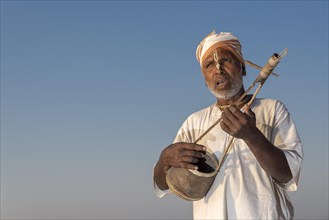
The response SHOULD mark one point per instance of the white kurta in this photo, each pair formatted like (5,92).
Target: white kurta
(242,189)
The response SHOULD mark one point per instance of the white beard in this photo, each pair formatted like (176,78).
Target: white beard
(227,94)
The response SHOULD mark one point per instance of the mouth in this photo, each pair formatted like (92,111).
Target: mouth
(220,82)
(222,78)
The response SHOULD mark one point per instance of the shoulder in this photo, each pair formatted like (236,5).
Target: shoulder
(201,113)
(269,111)
(268,104)
(194,124)
(201,117)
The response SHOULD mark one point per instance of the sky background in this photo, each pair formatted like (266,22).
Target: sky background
(92,91)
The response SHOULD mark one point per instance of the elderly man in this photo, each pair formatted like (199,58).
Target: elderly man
(265,159)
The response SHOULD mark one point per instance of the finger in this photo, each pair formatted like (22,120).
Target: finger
(190,159)
(225,127)
(228,118)
(192,166)
(230,113)
(195,147)
(187,165)
(237,119)
(192,153)
(248,111)
(236,112)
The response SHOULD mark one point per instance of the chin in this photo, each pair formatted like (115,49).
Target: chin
(226,94)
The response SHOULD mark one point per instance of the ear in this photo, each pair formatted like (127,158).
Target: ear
(243,70)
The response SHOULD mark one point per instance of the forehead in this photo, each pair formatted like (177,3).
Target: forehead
(221,52)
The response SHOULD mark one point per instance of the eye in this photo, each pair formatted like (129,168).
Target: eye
(225,60)
(209,64)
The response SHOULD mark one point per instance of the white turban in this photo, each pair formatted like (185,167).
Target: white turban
(225,40)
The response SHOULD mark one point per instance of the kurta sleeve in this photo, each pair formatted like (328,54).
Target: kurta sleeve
(285,136)
(180,137)
(158,192)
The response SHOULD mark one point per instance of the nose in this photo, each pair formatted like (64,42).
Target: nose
(219,69)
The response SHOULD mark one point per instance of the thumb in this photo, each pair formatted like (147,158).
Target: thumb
(248,111)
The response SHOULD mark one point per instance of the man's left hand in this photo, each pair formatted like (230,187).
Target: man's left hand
(239,124)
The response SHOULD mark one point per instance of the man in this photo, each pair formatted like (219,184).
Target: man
(265,158)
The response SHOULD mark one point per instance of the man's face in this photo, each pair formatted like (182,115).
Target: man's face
(226,81)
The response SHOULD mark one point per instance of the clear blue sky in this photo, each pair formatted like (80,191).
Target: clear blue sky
(92,91)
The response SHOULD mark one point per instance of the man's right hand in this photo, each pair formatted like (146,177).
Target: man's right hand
(181,154)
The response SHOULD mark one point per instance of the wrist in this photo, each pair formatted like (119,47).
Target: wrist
(161,165)
(255,136)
